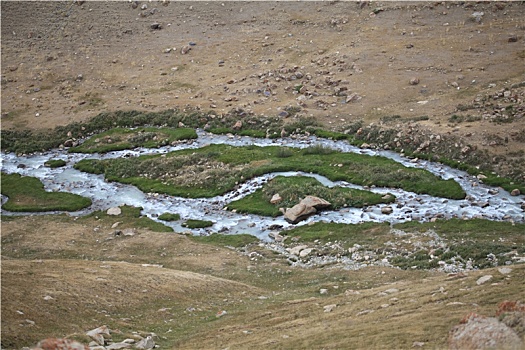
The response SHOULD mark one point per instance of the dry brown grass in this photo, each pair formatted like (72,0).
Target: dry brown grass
(95,278)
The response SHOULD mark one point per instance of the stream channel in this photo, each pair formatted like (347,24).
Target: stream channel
(482,201)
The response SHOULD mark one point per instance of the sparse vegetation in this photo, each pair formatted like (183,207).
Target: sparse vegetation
(122,138)
(236,241)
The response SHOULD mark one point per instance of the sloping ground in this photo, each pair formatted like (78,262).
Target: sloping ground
(63,276)
(41,298)
(397,315)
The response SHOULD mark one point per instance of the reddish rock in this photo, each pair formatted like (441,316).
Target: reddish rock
(60,344)
(479,332)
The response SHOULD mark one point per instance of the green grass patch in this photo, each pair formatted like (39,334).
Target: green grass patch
(55,163)
(216,169)
(27,194)
(293,189)
(122,138)
(236,241)
(369,234)
(131,217)
(169,217)
(192,224)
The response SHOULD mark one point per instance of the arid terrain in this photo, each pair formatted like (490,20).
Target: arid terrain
(439,68)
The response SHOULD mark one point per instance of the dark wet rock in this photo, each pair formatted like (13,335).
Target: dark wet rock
(156,26)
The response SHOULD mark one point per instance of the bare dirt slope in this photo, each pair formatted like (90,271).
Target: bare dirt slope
(68,62)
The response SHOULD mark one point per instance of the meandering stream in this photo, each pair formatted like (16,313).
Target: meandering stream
(481,201)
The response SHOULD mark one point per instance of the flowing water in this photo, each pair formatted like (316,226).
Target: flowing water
(482,201)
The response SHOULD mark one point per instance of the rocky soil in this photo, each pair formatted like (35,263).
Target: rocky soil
(453,68)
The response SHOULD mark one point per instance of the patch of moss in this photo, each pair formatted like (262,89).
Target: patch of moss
(192,224)
(27,194)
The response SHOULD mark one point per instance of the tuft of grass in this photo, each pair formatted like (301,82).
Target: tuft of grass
(169,217)
(236,241)
(55,163)
(192,224)
(27,194)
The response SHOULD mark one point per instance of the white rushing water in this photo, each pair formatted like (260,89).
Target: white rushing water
(481,201)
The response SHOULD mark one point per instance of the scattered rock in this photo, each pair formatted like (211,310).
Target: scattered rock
(414,81)
(515,192)
(329,308)
(504,270)
(61,344)
(276,236)
(483,279)
(185,49)
(114,211)
(148,342)
(118,346)
(297,249)
(156,26)
(305,252)
(276,198)
(387,210)
(513,39)
(477,16)
(238,125)
(100,334)
(221,313)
